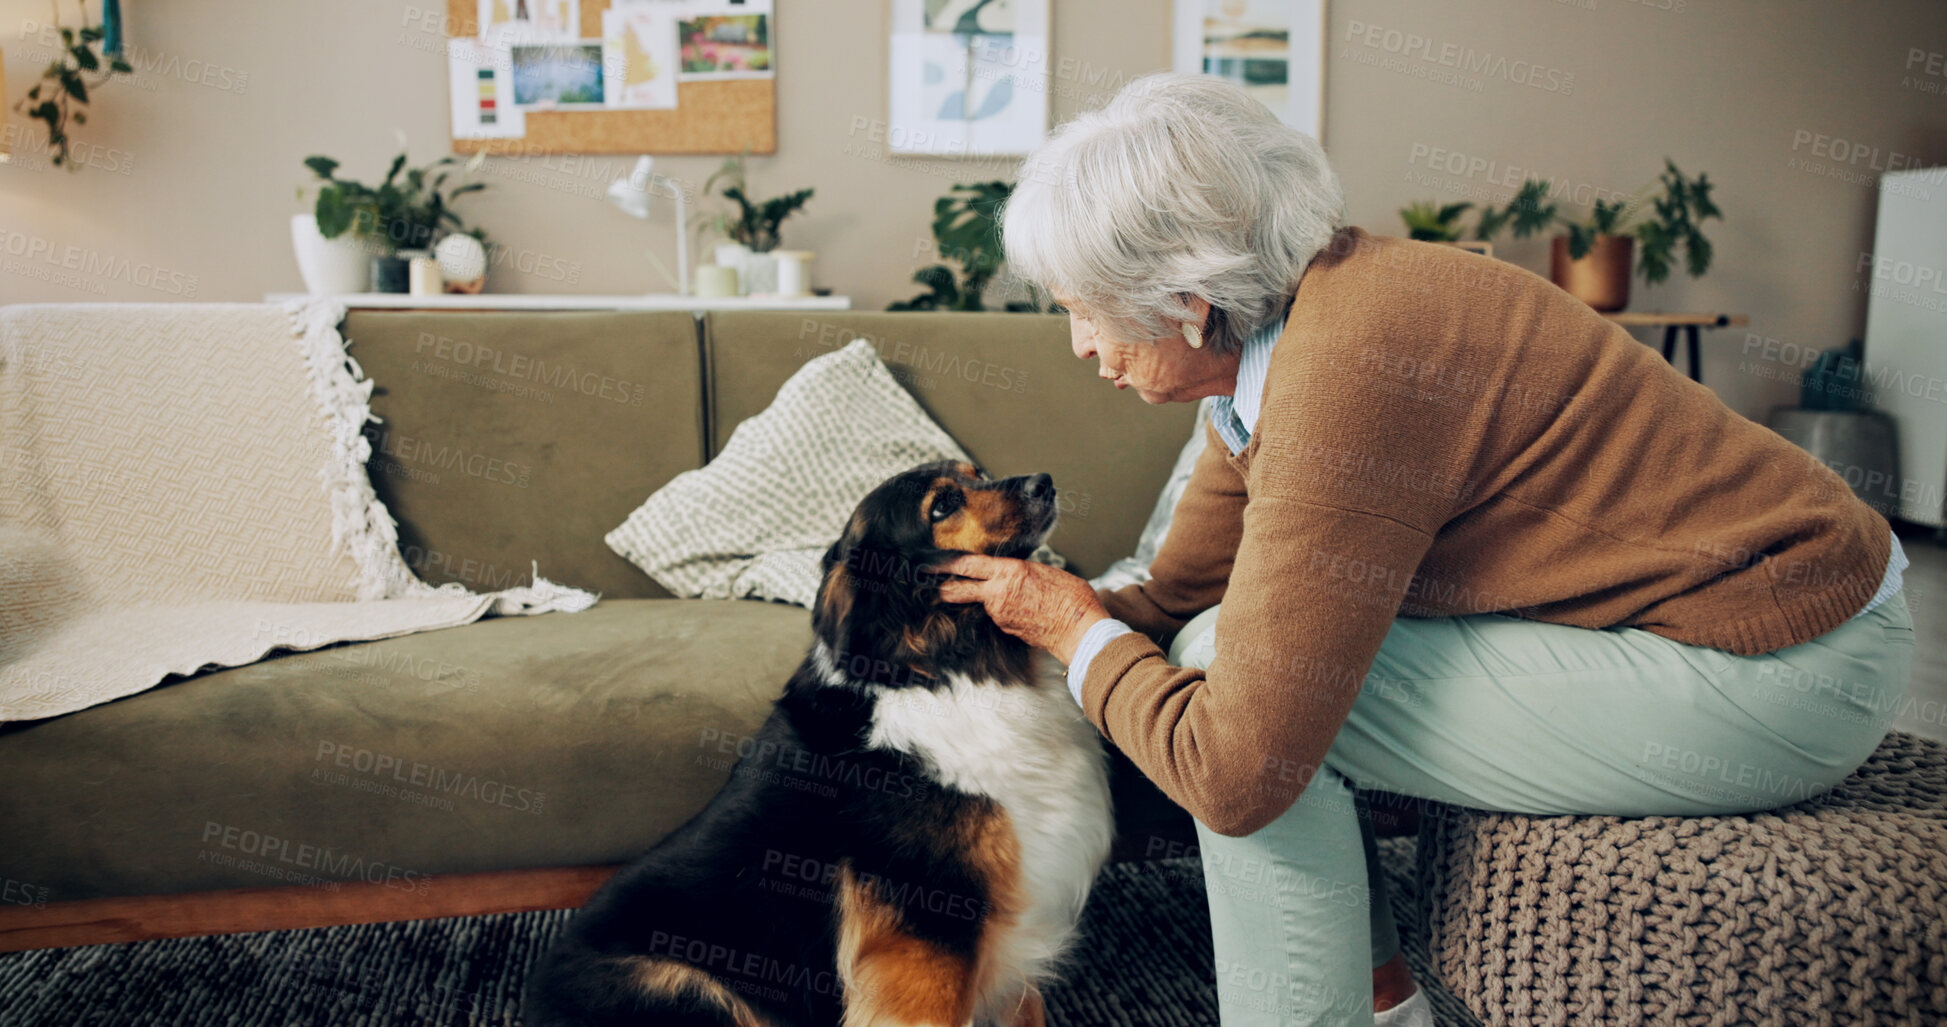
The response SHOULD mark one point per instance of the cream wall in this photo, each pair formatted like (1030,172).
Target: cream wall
(197,160)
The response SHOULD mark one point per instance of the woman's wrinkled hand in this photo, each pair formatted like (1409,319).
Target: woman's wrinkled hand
(1044,606)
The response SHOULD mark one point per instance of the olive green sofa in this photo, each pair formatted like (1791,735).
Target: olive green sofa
(506,764)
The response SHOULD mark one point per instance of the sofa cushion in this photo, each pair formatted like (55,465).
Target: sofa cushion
(522,742)
(758,519)
(510,438)
(1005,386)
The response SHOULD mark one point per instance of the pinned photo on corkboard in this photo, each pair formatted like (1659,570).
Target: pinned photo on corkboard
(553,75)
(530,21)
(719,46)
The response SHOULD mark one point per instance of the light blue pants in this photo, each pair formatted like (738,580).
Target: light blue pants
(1499,713)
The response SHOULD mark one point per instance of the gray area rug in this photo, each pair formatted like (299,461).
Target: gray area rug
(1143,961)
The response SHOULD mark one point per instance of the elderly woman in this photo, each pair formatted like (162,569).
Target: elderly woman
(1454,536)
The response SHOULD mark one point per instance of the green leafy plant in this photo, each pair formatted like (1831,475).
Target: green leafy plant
(409,212)
(1527,212)
(753,223)
(1678,210)
(1606,218)
(967,231)
(1684,205)
(1431,222)
(64,87)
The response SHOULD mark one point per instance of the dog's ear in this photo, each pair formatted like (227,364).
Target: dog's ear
(831,612)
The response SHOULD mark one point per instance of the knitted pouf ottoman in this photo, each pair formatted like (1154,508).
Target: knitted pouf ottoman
(1832,911)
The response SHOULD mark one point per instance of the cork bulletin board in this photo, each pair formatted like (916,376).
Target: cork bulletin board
(719,116)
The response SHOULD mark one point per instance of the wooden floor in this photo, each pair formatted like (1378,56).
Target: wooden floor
(1926,596)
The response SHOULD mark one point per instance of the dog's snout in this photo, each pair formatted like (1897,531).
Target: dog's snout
(1040,486)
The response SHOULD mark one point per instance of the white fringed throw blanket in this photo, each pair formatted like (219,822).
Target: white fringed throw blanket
(183,486)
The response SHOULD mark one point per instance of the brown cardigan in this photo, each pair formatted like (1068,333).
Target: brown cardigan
(1443,434)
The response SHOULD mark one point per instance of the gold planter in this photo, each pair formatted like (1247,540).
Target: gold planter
(1601,278)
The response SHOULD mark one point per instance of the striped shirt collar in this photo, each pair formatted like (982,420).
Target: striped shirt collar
(1235,416)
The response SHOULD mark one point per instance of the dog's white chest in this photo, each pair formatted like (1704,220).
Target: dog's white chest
(1031,751)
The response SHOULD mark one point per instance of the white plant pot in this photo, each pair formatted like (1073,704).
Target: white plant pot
(329,266)
(760,274)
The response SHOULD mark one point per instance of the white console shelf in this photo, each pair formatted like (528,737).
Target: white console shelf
(539,301)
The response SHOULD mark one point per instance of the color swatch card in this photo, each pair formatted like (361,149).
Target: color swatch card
(480,84)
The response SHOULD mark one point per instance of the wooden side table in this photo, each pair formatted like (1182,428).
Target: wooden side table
(1688,324)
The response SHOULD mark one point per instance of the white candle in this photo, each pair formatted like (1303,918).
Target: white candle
(423,277)
(714,281)
(794,272)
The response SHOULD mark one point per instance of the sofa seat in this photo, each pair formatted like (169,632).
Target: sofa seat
(558,740)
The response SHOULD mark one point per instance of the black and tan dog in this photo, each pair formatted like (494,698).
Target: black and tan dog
(913,832)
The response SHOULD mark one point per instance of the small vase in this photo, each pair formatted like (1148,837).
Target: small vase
(759,277)
(391,274)
(329,266)
(1601,277)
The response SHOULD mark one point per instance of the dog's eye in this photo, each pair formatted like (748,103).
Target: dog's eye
(944,505)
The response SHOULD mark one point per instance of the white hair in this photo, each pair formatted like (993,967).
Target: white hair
(1183,185)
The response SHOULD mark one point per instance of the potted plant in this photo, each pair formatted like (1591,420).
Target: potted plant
(1433,222)
(62,93)
(967,231)
(1592,260)
(752,226)
(353,226)
(1526,213)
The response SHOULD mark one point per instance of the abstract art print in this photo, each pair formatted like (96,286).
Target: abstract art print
(1275,49)
(969,77)
(639,52)
(970,17)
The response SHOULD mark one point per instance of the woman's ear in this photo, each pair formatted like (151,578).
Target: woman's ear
(1199,310)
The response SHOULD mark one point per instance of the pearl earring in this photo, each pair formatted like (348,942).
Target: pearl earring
(1193,335)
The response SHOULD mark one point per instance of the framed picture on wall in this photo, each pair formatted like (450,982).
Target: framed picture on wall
(969,77)
(1273,48)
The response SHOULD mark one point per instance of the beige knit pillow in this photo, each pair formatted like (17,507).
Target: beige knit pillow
(755,522)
